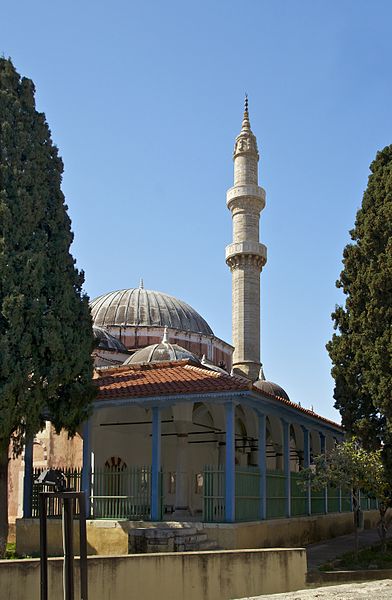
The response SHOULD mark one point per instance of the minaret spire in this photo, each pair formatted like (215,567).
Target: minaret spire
(246,256)
(245,120)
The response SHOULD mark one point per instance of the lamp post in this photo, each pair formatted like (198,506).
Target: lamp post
(56,480)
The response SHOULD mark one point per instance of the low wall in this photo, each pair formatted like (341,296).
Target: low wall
(111,537)
(215,575)
(296,531)
(103,537)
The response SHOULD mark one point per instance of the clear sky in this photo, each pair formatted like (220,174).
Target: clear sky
(144,100)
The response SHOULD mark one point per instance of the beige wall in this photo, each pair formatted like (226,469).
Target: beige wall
(111,537)
(298,531)
(103,537)
(219,575)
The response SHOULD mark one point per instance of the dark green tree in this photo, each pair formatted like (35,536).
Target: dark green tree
(45,324)
(361,353)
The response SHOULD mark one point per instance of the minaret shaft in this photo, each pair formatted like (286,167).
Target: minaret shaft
(246,256)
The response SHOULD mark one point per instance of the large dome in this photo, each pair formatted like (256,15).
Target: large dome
(140,307)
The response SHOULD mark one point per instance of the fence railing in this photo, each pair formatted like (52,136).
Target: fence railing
(247,493)
(122,493)
(298,496)
(214,494)
(125,493)
(276,495)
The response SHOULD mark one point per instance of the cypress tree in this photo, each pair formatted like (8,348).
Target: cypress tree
(45,324)
(362,351)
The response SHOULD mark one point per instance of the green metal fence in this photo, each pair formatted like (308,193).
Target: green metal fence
(346,500)
(122,493)
(298,495)
(318,502)
(125,493)
(333,494)
(247,493)
(276,496)
(214,493)
(73,477)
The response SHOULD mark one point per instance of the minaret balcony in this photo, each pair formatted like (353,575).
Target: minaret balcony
(255,193)
(246,249)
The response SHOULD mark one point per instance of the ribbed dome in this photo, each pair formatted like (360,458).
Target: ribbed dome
(270,387)
(140,307)
(160,352)
(108,341)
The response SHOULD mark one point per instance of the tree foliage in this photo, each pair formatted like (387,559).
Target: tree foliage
(361,352)
(45,323)
(349,465)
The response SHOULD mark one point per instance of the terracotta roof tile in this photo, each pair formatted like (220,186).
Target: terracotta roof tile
(177,377)
(298,407)
(167,378)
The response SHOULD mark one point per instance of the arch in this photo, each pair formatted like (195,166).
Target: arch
(297,450)
(115,463)
(315,444)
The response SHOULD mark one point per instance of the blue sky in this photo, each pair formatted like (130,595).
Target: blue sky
(144,100)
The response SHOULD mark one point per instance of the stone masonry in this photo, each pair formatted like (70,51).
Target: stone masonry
(246,256)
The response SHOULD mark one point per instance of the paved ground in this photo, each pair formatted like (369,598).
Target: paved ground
(322,552)
(375,590)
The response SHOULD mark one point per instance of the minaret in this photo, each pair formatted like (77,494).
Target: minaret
(246,256)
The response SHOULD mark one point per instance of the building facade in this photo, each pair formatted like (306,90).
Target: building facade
(185,426)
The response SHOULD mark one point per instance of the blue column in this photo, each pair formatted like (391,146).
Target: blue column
(87,465)
(308,500)
(28,479)
(262,466)
(286,463)
(325,491)
(230,463)
(156,464)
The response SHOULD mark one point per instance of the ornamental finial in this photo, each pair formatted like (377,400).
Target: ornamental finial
(261,374)
(165,339)
(141,284)
(245,121)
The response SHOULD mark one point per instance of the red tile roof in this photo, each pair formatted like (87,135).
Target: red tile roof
(177,377)
(165,379)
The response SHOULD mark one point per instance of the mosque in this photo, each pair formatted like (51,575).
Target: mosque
(185,425)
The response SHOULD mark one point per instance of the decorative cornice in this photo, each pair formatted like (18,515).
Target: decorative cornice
(238,261)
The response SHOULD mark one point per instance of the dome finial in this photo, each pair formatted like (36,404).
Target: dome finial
(165,339)
(261,374)
(141,284)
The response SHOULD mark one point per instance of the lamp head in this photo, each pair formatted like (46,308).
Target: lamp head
(53,478)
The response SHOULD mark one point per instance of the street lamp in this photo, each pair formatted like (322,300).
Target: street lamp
(56,480)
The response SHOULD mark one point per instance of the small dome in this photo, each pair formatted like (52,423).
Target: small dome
(108,341)
(139,307)
(270,387)
(160,352)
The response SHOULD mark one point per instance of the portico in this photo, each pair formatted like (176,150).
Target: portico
(221,451)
